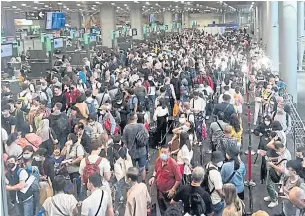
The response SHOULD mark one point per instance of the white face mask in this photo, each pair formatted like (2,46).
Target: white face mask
(267,123)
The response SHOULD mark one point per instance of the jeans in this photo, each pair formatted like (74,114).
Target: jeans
(218,208)
(118,189)
(79,188)
(62,140)
(26,207)
(36,202)
(151,102)
(271,188)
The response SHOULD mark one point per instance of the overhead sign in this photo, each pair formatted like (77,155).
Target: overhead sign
(31,15)
(38,15)
(23,22)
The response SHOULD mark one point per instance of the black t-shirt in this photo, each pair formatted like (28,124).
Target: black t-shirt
(8,122)
(184,194)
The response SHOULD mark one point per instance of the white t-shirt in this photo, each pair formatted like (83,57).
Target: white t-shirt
(65,202)
(91,204)
(4,135)
(214,181)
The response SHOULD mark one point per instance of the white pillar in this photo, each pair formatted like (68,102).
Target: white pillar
(256,21)
(76,20)
(260,15)
(288,45)
(168,19)
(185,20)
(108,23)
(265,24)
(301,35)
(136,20)
(273,36)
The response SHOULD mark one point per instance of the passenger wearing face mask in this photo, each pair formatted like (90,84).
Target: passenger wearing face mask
(17,178)
(122,107)
(283,117)
(167,177)
(291,179)
(234,170)
(268,100)
(138,197)
(8,121)
(161,118)
(94,126)
(32,169)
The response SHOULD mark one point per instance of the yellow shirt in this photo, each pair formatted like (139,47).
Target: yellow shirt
(237,135)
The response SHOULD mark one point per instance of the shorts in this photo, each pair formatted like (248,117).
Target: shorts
(141,161)
(239,109)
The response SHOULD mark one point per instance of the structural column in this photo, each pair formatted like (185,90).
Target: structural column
(136,20)
(301,36)
(273,33)
(76,20)
(168,19)
(7,22)
(108,23)
(260,22)
(265,24)
(256,21)
(185,20)
(288,45)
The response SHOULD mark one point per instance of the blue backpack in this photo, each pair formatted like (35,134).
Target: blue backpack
(91,108)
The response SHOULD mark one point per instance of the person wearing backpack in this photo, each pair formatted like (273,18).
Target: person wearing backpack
(17,178)
(60,124)
(91,103)
(234,205)
(212,182)
(135,137)
(196,200)
(93,163)
(233,170)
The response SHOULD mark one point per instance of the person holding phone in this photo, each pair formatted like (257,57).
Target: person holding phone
(291,179)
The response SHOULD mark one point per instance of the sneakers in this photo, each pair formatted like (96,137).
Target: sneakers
(273,204)
(267,198)
(121,200)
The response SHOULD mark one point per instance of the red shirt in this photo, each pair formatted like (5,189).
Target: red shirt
(167,175)
(71,96)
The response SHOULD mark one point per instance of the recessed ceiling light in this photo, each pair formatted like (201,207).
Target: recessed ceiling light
(67,9)
(36,2)
(78,5)
(14,7)
(23,5)
(80,9)
(93,5)
(147,3)
(46,5)
(64,6)
(59,3)
(112,3)
(35,8)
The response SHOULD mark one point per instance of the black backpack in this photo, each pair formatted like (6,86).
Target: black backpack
(197,205)
(205,182)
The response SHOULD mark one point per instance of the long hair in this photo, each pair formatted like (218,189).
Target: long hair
(235,123)
(231,196)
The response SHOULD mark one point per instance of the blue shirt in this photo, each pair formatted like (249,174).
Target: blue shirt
(238,179)
(132,102)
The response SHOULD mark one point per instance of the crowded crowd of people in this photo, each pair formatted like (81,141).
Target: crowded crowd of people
(81,142)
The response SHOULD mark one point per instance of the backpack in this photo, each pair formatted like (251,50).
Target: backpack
(141,138)
(205,182)
(45,91)
(63,123)
(25,101)
(91,168)
(91,107)
(168,91)
(197,205)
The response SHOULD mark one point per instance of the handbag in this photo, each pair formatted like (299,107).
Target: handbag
(274,176)
(176,109)
(107,124)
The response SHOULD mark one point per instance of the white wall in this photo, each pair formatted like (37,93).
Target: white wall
(204,19)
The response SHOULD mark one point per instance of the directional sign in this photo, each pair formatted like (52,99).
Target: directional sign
(41,15)
(31,15)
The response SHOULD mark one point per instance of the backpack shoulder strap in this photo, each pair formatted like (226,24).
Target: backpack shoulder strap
(98,161)
(87,161)
(100,204)
(280,161)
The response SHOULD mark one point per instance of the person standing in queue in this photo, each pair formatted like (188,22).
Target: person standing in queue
(167,177)
(138,197)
